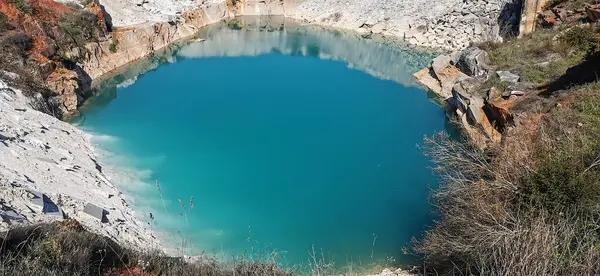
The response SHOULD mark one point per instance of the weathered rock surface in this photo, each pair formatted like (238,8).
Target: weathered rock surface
(506,76)
(65,84)
(529,14)
(41,153)
(441,76)
(451,24)
(474,62)
(457,79)
(135,42)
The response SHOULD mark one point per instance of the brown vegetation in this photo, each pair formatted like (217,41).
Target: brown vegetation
(39,37)
(65,248)
(528,206)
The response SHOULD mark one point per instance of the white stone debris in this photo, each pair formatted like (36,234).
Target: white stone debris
(448,24)
(41,153)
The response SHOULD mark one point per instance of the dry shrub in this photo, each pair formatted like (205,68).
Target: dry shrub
(472,205)
(529,207)
(65,248)
(542,244)
(53,249)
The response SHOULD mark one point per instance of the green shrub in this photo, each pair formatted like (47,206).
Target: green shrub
(4,25)
(113,46)
(567,168)
(22,5)
(581,39)
(79,27)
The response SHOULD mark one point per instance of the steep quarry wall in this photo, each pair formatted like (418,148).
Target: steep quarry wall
(39,153)
(450,24)
(127,44)
(142,28)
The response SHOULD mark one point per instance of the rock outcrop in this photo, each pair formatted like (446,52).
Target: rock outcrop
(457,79)
(65,84)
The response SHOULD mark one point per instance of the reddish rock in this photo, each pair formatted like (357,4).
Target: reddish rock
(427,78)
(548,18)
(65,84)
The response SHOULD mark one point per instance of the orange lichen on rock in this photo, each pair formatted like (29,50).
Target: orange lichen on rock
(11,12)
(39,45)
(49,10)
(505,104)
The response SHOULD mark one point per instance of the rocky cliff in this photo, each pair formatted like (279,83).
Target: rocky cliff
(451,24)
(131,43)
(127,31)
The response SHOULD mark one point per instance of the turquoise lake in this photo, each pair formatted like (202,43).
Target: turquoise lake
(287,137)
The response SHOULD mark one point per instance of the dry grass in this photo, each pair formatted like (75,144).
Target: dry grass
(65,248)
(527,207)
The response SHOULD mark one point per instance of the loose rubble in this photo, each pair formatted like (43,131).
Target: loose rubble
(49,171)
(452,24)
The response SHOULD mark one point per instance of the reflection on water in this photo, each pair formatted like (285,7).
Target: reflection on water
(251,36)
(248,36)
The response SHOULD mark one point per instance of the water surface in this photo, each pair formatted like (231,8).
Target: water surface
(287,137)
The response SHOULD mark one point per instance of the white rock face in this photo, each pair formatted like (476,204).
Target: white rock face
(39,152)
(448,24)
(133,12)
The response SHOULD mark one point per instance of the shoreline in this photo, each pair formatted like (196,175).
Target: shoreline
(131,71)
(135,44)
(41,154)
